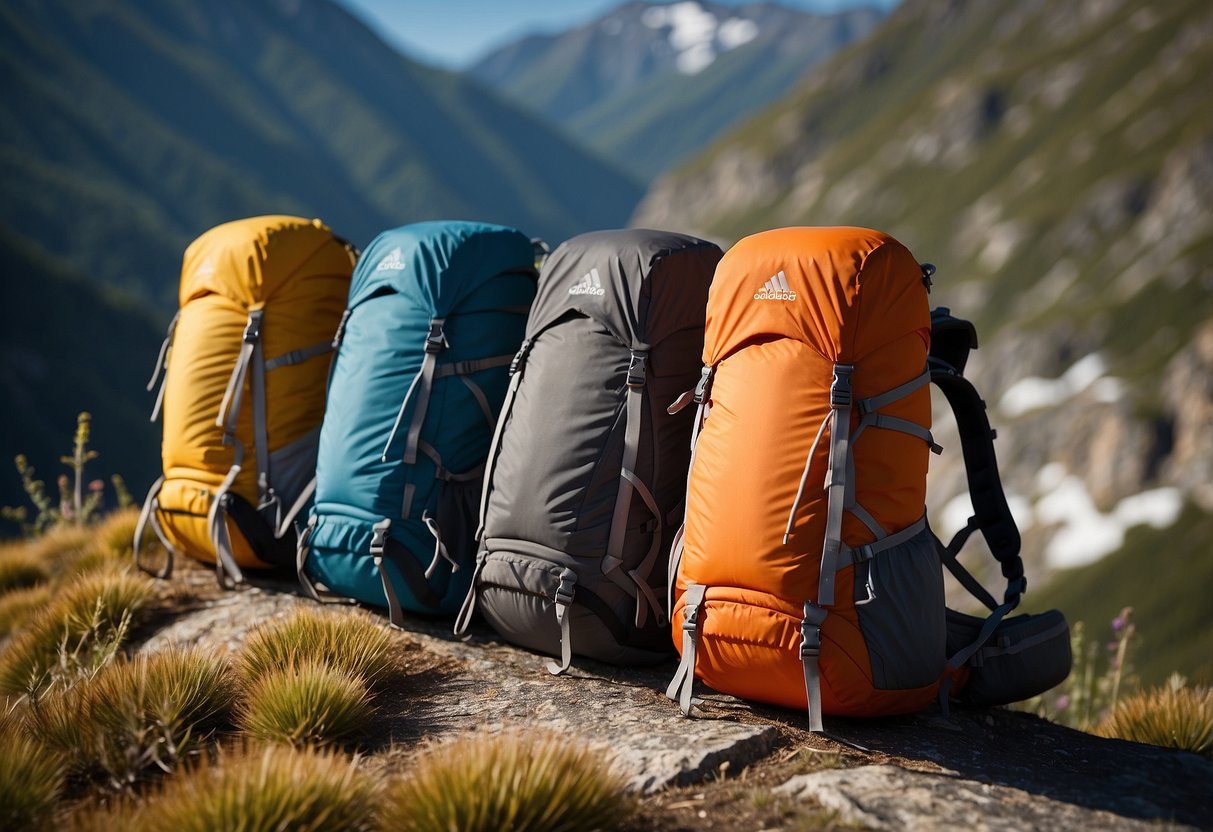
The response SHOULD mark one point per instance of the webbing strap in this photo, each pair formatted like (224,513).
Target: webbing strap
(867,551)
(162,367)
(810,654)
(302,550)
(947,555)
(680,536)
(481,399)
(296,507)
(865,517)
(804,477)
(562,599)
(440,551)
(229,408)
(226,570)
(637,370)
(640,575)
(148,514)
(464,619)
(298,356)
(261,440)
(889,396)
(475,365)
(683,683)
(434,343)
(441,472)
(379,533)
(879,420)
(836,479)
(517,367)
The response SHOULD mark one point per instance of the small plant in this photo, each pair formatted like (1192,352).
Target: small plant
(1174,716)
(20,605)
(354,645)
(307,704)
(277,788)
(510,780)
(76,635)
(31,780)
(19,568)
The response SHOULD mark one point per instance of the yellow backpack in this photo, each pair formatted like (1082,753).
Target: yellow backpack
(242,374)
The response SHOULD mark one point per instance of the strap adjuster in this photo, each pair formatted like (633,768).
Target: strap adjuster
(520,357)
(252,329)
(638,368)
(690,617)
(840,389)
(379,537)
(705,381)
(436,340)
(564,591)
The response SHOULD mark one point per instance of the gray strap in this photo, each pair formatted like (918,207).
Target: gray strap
(378,541)
(804,477)
(948,556)
(873,403)
(441,472)
(868,551)
(866,518)
(419,380)
(146,514)
(162,366)
(836,479)
(481,400)
(1006,648)
(475,365)
(298,356)
(683,683)
(562,600)
(261,439)
(226,569)
(987,630)
(879,420)
(229,408)
(434,343)
(631,446)
(440,551)
(464,619)
(296,507)
(301,553)
(491,460)
(671,575)
(810,654)
(640,575)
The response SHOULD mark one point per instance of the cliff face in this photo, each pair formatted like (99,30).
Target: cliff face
(1055,160)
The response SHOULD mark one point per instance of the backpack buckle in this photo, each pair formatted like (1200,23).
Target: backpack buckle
(436,340)
(840,389)
(339,335)
(690,617)
(564,591)
(379,537)
(252,329)
(638,369)
(520,357)
(705,381)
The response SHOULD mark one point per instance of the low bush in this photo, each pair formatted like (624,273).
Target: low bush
(31,780)
(273,789)
(353,644)
(1174,716)
(307,704)
(510,780)
(79,632)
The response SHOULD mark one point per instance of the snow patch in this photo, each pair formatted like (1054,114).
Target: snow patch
(696,35)
(1086,534)
(957,511)
(1035,393)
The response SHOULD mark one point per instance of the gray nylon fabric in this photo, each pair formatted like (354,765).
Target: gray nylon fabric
(556,476)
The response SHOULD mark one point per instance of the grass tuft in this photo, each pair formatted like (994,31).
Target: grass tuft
(31,780)
(20,605)
(20,568)
(1173,716)
(352,644)
(510,780)
(307,704)
(263,791)
(78,633)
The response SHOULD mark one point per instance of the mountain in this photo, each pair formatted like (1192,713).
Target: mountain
(128,128)
(1055,160)
(68,344)
(648,84)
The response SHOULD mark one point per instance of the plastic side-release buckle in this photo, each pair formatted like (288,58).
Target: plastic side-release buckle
(705,381)
(379,537)
(690,617)
(810,631)
(252,329)
(638,368)
(840,389)
(520,357)
(565,590)
(436,340)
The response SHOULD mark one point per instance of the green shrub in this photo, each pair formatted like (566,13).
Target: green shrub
(273,789)
(1174,716)
(31,780)
(79,632)
(20,605)
(510,780)
(353,644)
(307,704)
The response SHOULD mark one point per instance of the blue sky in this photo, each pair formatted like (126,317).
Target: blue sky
(452,33)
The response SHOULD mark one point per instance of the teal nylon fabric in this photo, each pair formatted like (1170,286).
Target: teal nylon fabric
(469,274)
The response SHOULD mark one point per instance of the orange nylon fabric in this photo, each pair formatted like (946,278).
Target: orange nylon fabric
(854,296)
(299,274)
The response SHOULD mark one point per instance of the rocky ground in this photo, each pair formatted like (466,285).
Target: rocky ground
(737,765)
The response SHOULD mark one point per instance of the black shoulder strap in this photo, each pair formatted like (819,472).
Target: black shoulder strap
(951,341)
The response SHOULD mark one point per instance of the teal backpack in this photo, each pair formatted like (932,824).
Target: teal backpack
(436,313)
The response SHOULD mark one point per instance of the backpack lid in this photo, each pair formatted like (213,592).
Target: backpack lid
(640,284)
(807,283)
(248,260)
(438,264)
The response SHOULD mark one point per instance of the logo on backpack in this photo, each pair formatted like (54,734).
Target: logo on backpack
(207,268)
(590,284)
(394,262)
(776,288)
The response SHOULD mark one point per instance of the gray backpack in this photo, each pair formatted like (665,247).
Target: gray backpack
(587,471)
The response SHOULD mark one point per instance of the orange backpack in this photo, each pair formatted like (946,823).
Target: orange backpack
(806,573)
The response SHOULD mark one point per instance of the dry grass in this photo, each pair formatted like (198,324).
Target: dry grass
(31,780)
(353,644)
(19,568)
(19,606)
(80,631)
(307,704)
(1173,716)
(511,780)
(266,790)
(61,545)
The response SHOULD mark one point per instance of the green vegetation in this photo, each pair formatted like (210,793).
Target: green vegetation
(509,780)
(307,704)
(352,643)
(1174,716)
